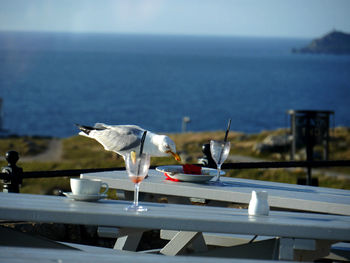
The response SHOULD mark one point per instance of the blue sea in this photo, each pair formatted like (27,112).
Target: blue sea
(50,81)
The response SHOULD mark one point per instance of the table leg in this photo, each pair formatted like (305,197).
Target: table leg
(303,249)
(286,250)
(322,248)
(128,239)
(180,241)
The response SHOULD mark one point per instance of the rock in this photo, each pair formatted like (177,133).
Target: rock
(261,148)
(300,156)
(278,140)
(277,156)
(335,42)
(273,143)
(342,145)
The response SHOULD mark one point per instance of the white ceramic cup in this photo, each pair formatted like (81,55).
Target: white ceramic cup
(258,204)
(82,186)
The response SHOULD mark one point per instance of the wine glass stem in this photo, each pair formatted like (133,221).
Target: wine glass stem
(136,194)
(218,176)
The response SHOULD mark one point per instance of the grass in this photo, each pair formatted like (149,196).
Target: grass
(25,146)
(83,153)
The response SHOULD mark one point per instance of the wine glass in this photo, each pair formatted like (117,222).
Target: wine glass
(219,152)
(137,168)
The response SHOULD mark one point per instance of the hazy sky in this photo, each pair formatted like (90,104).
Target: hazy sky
(284,18)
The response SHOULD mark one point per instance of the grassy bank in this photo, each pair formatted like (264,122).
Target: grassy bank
(83,153)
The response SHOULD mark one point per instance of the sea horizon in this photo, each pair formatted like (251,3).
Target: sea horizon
(158,34)
(50,81)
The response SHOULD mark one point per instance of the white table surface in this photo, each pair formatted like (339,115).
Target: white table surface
(42,208)
(280,195)
(39,255)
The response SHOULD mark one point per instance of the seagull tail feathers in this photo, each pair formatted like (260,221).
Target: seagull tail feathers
(85,129)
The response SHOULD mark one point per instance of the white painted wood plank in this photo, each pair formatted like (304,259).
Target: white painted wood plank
(298,197)
(37,255)
(40,208)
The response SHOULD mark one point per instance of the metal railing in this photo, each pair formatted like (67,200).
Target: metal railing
(12,175)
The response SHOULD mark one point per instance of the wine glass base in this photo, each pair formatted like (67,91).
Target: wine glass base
(135,208)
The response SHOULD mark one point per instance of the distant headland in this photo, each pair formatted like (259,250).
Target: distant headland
(335,42)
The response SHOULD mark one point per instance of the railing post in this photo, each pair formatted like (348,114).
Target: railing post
(13,182)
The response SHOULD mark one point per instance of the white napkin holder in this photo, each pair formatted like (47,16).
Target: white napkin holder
(258,204)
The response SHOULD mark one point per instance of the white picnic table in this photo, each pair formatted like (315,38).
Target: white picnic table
(40,255)
(296,231)
(236,190)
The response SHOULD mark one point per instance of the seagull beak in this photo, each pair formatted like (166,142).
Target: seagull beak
(175,155)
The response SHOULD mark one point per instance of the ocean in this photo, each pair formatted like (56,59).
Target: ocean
(50,81)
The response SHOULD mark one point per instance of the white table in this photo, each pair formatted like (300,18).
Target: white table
(280,195)
(38,255)
(296,230)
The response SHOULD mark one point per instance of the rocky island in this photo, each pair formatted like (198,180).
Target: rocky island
(335,42)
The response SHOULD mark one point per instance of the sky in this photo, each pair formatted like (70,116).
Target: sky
(261,18)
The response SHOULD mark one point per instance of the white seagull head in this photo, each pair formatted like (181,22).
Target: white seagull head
(167,146)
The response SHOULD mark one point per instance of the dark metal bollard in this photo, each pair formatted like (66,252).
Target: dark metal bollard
(14,180)
(207,160)
(310,128)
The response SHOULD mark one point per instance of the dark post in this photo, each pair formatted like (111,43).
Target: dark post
(308,133)
(12,183)
(310,128)
(326,142)
(293,129)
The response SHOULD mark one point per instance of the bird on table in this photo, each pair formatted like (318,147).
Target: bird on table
(124,139)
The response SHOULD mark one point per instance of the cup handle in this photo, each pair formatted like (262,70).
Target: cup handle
(106,186)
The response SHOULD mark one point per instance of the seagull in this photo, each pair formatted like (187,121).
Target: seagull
(123,139)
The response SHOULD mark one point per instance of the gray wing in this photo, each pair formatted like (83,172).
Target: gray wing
(120,128)
(119,138)
(130,137)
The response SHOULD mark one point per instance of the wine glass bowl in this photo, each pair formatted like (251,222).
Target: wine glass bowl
(137,168)
(219,151)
